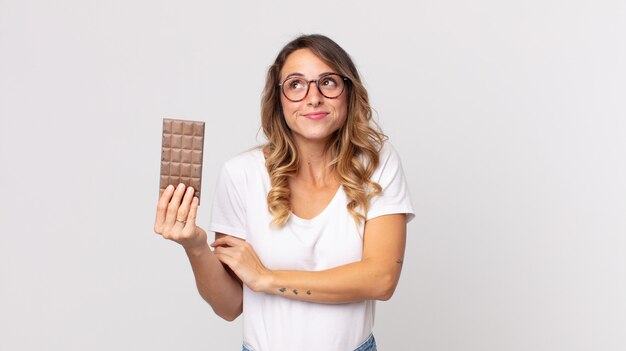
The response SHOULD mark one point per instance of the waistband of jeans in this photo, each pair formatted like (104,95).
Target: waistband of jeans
(368,342)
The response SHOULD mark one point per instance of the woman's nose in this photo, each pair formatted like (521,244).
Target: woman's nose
(314,97)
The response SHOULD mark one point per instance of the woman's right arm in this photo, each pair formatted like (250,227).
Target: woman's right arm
(217,286)
(176,220)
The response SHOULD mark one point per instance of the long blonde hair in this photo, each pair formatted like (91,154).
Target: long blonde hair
(354,147)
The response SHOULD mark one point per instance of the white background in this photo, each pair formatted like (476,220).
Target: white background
(510,117)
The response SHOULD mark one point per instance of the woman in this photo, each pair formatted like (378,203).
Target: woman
(310,228)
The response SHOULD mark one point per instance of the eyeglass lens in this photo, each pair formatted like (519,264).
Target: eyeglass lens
(296,88)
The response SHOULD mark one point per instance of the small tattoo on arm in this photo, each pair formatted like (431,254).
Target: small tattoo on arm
(295,291)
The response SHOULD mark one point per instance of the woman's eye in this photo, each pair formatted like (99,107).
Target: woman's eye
(329,82)
(296,84)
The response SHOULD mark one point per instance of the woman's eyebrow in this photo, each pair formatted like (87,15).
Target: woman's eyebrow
(298,74)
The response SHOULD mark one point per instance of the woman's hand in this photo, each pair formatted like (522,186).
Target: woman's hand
(176,217)
(243,261)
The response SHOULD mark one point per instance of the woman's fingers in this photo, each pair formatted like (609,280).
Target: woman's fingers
(228,260)
(243,261)
(229,251)
(173,211)
(228,241)
(183,210)
(220,251)
(176,217)
(231,256)
(161,211)
(174,205)
(193,212)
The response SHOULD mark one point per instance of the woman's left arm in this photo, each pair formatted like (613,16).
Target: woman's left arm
(375,277)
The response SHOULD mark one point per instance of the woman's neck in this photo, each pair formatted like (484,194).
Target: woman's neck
(314,167)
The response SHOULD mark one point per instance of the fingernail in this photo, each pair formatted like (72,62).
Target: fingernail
(170,187)
(180,186)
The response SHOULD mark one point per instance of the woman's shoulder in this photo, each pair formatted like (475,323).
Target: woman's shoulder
(388,161)
(242,168)
(387,149)
(388,153)
(248,159)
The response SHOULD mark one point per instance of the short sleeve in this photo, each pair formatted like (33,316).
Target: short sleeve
(395,196)
(228,213)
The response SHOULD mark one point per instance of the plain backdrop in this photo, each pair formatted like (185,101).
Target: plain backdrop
(510,118)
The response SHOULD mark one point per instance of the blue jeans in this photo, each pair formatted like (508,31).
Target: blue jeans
(368,345)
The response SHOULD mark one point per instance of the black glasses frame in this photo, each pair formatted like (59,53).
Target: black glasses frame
(308,86)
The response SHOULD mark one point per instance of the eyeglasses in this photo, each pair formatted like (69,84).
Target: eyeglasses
(330,85)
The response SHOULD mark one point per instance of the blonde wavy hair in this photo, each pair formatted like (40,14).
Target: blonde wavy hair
(354,147)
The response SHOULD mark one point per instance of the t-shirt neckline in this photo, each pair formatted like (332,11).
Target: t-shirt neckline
(293,216)
(321,215)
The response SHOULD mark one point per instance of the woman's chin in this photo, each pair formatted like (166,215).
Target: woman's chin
(313,137)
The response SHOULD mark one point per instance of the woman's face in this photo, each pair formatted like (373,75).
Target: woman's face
(316,117)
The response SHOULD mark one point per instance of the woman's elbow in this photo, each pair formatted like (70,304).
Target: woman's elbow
(229,316)
(387,286)
(386,294)
(227,310)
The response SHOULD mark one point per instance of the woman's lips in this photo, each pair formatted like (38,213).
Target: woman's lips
(316,115)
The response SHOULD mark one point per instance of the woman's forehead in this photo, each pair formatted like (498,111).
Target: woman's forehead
(305,62)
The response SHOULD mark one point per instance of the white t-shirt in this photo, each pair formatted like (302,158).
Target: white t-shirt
(331,239)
